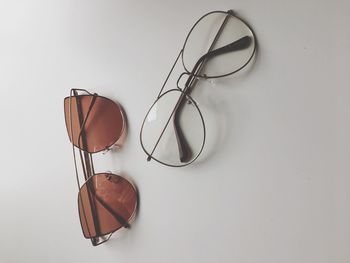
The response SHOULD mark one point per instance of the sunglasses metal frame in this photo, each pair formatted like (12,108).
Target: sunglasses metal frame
(88,166)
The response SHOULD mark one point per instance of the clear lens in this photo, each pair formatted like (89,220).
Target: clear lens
(173,131)
(202,36)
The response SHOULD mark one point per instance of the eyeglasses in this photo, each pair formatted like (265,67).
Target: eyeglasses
(219,44)
(106,201)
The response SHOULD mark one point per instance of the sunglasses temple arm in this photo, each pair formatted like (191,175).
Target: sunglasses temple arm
(87,159)
(118,217)
(96,240)
(75,90)
(82,124)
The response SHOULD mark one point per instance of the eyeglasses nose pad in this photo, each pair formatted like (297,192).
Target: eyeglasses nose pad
(191,102)
(212,82)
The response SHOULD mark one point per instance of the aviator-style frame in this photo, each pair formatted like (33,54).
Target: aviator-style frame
(193,76)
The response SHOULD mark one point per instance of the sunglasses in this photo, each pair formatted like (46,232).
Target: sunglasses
(219,44)
(106,201)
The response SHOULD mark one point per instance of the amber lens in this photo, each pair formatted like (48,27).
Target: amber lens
(106,202)
(102,121)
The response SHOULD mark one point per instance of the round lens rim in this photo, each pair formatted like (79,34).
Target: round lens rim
(227,74)
(124,122)
(202,119)
(132,216)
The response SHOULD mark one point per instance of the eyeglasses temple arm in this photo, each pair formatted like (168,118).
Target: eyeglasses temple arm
(184,149)
(237,45)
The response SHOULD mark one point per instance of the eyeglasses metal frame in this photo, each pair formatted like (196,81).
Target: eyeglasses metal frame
(193,76)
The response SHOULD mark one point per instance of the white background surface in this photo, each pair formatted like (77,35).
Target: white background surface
(276,189)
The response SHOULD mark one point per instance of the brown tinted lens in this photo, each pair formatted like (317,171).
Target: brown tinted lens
(106,202)
(104,124)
